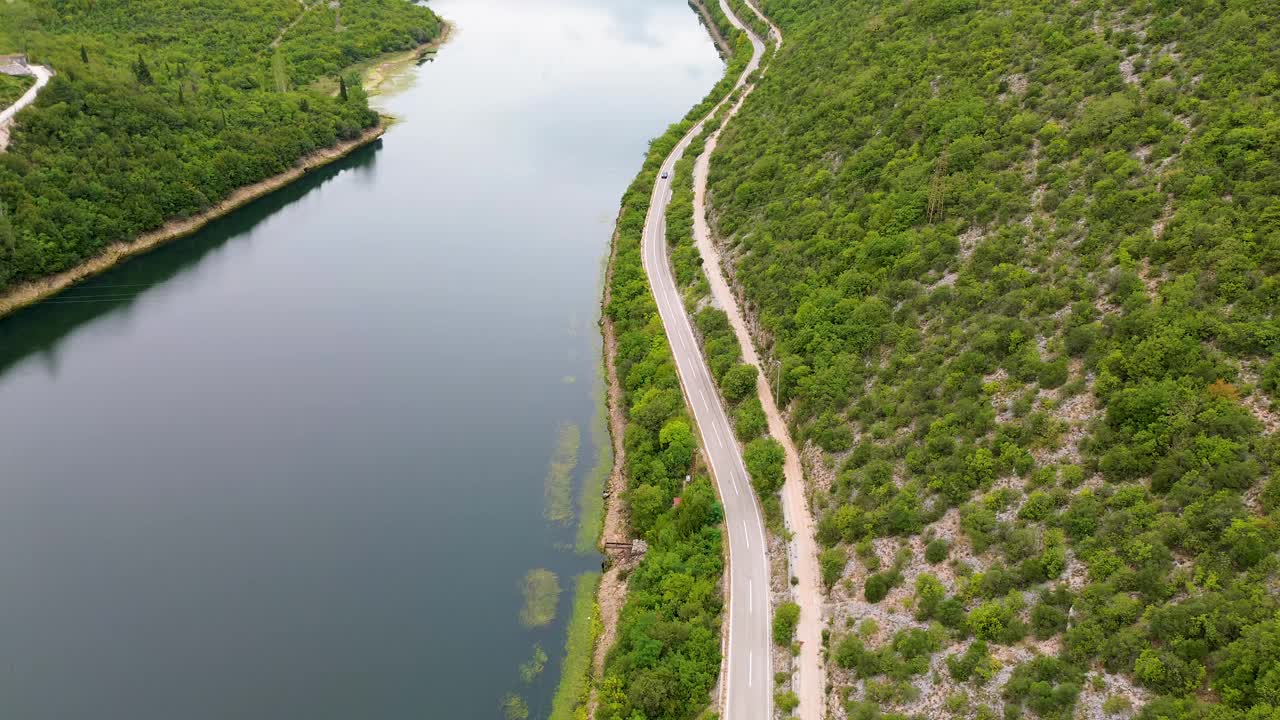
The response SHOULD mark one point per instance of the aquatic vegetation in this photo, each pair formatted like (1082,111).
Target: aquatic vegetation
(559,483)
(534,666)
(584,627)
(590,497)
(541,590)
(514,707)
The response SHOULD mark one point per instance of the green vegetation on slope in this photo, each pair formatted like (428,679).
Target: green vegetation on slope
(160,109)
(12,87)
(1019,259)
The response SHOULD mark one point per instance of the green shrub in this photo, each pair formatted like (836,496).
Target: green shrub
(785,617)
(877,586)
(936,551)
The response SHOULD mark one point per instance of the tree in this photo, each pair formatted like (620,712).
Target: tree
(646,502)
(764,458)
(739,382)
(84,55)
(342,88)
(6,229)
(749,420)
(988,620)
(831,562)
(678,445)
(1248,670)
(142,73)
(929,595)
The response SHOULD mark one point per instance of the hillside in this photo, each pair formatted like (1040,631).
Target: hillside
(160,109)
(1019,260)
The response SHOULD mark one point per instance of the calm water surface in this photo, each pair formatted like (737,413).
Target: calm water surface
(292,467)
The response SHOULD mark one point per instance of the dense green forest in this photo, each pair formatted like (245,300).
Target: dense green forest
(1019,259)
(161,108)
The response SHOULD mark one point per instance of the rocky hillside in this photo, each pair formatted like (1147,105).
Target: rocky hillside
(1019,261)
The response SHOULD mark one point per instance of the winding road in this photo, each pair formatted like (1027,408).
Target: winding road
(42,75)
(748,676)
(806,590)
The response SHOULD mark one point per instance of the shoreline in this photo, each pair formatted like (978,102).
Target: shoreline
(384,67)
(722,45)
(611,592)
(33,291)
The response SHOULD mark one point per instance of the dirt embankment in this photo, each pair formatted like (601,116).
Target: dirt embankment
(613,585)
(36,290)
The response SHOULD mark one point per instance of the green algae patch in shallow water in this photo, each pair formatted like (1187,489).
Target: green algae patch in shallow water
(541,595)
(580,640)
(559,485)
(535,665)
(591,497)
(514,707)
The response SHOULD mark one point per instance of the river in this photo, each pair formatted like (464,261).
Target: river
(293,466)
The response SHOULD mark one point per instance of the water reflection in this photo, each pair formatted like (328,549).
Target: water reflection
(38,329)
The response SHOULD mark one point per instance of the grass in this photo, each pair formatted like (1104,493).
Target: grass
(559,485)
(12,87)
(580,640)
(591,499)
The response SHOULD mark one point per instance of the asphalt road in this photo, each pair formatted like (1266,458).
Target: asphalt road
(748,676)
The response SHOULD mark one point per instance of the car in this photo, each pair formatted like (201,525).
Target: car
(664,174)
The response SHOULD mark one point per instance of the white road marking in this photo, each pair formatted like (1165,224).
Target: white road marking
(693,371)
